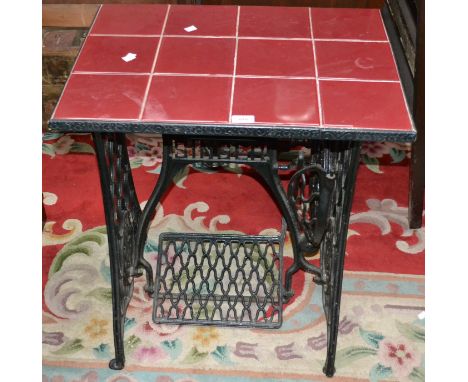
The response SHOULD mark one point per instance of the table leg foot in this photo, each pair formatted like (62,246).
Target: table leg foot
(329,371)
(116,364)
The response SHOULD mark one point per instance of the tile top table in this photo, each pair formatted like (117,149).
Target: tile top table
(230,85)
(296,72)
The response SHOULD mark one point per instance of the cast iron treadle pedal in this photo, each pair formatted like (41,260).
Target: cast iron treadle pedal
(219,279)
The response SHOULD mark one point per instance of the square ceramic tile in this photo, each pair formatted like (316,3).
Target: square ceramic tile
(102,96)
(377,105)
(275,58)
(288,22)
(196,55)
(188,98)
(130,19)
(348,23)
(275,100)
(105,54)
(363,60)
(209,20)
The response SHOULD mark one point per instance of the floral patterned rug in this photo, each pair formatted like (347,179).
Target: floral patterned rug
(381,329)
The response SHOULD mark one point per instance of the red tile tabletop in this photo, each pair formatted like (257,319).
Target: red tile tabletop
(233,65)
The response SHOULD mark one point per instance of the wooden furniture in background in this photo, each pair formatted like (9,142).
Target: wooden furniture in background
(405,24)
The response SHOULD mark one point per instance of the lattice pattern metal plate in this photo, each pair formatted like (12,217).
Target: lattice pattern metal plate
(217,279)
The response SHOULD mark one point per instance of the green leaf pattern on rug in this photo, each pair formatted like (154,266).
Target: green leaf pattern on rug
(136,162)
(221,354)
(418,375)
(411,331)
(379,372)
(49,136)
(372,338)
(80,147)
(101,294)
(48,149)
(372,164)
(397,155)
(194,356)
(173,348)
(76,246)
(69,347)
(156,170)
(353,353)
(131,343)
(102,351)
(180,177)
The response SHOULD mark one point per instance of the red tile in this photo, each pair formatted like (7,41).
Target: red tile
(275,58)
(186,98)
(130,19)
(196,55)
(363,60)
(104,54)
(274,100)
(376,105)
(274,22)
(102,96)
(210,20)
(348,23)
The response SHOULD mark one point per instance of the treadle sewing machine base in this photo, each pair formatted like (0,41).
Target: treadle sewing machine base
(230,280)
(223,87)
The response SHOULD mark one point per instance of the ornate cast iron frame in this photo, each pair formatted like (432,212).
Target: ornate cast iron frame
(316,210)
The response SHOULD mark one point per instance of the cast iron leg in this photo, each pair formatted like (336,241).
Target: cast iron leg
(269,173)
(332,251)
(122,213)
(168,169)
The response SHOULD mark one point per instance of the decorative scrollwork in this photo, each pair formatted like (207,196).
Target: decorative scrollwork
(309,193)
(125,212)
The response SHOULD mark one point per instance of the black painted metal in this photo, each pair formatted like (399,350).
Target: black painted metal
(219,279)
(343,163)
(240,131)
(122,213)
(315,211)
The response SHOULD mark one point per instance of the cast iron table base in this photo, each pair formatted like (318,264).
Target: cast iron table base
(316,209)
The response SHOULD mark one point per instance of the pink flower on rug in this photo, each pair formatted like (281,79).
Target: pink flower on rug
(150,354)
(398,355)
(375,149)
(157,332)
(63,145)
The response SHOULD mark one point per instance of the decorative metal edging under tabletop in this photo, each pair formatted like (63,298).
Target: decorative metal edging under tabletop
(224,130)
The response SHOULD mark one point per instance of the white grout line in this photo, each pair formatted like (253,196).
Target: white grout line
(82,72)
(195,36)
(354,79)
(76,60)
(340,79)
(190,74)
(123,35)
(276,77)
(317,83)
(145,97)
(349,40)
(413,127)
(239,37)
(235,65)
(275,38)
